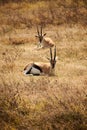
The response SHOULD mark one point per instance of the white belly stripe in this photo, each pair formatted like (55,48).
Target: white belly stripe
(35,71)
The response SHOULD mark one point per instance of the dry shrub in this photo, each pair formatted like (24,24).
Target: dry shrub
(16,41)
(25,15)
(9,58)
(43,106)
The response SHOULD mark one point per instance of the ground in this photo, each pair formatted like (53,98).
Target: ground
(44,102)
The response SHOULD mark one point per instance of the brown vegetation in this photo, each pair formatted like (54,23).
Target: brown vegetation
(25,15)
(43,102)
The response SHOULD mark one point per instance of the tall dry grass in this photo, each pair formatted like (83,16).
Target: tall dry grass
(28,14)
(43,103)
(38,103)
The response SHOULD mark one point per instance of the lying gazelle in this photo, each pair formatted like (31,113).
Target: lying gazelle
(39,68)
(44,42)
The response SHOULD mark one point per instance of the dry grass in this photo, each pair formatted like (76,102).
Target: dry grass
(26,15)
(42,102)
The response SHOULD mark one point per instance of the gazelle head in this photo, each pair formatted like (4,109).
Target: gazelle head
(40,34)
(52,58)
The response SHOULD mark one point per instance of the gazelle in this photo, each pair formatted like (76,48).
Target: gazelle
(40,68)
(44,42)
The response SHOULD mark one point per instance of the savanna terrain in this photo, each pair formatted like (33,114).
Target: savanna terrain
(43,102)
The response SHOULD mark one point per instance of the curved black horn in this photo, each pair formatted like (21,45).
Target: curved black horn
(54,52)
(38,30)
(41,30)
(51,53)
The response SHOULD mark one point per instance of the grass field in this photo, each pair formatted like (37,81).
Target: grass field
(43,102)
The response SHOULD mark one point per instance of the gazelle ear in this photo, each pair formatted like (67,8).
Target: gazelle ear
(48,58)
(44,34)
(36,35)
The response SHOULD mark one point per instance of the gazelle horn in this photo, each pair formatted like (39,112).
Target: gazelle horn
(38,31)
(51,53)
(41,30)
(54,52)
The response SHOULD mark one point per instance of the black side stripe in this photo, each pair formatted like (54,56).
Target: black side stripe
(37,67)
(28,72)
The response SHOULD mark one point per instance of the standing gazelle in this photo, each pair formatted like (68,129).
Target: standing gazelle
(40,68)
(44,42)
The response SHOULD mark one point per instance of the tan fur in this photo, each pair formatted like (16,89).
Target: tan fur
(46,67)
(47,42)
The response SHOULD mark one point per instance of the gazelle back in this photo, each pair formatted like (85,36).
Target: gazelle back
(44,42)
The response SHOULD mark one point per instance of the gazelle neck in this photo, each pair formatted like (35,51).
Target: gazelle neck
(52,71)
(41,44)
